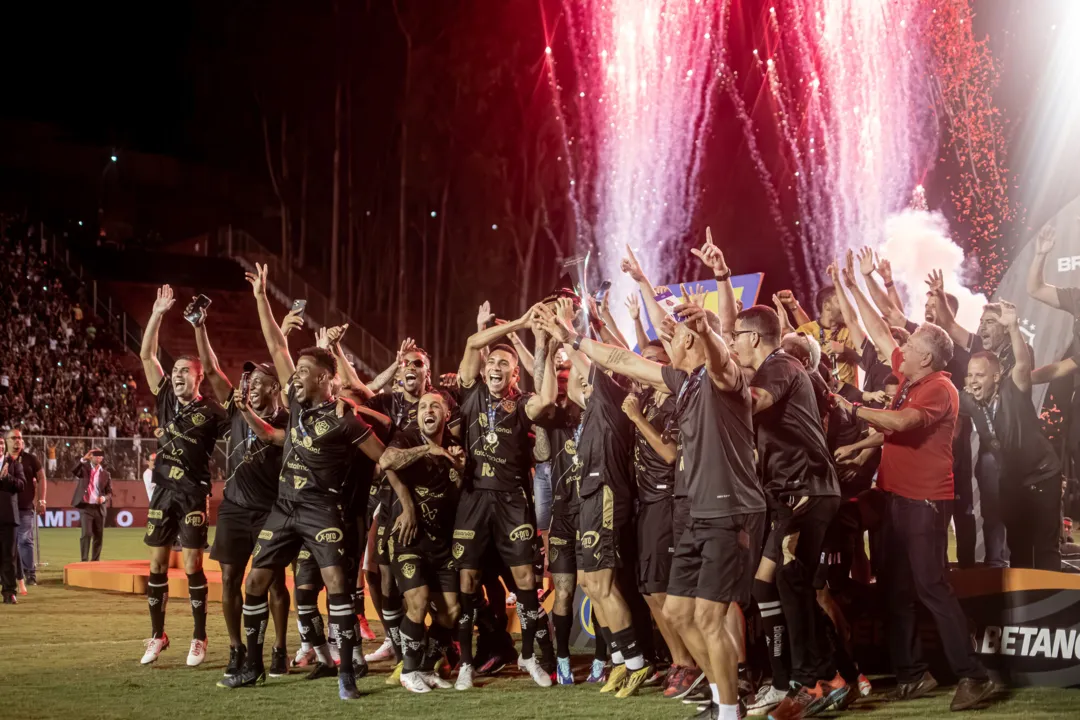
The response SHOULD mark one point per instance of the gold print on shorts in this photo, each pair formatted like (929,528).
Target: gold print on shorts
(459,550)
(408,570)
(522,533)
(609,509)
(149,528)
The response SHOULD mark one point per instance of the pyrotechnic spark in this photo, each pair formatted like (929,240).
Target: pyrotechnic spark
(645,71)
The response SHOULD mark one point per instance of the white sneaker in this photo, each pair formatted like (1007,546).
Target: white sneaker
(414,682)
(435,682)
(532,667)
(304,656)
(464,678)
(358,658)
(197,653)
(385,652)
(766,699)
(154,646)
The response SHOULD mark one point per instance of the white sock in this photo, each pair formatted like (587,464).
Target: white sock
(305,647)
(616,658)
(728,712)
(715,693)
(322,654)
(635,663)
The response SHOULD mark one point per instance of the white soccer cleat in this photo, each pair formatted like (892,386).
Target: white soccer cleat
(767,698)
(385,652)
(414,682)
(464,678)
(154,646)
(197,653)
(435,682)
(304,656)
(532,667)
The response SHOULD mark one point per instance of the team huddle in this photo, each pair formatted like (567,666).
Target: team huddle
(691,482)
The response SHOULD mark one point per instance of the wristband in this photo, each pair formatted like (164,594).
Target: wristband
(724,277)
(855,410)
(890,284)
(576,344)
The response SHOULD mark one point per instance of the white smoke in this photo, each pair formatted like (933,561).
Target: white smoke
(917,242)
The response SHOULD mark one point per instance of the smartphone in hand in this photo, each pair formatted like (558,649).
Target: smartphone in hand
(298,306)
(195,313)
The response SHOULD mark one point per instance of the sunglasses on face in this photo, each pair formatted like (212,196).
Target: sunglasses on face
(418,363)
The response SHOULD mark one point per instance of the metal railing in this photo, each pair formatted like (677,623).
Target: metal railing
(125,457)
(285,284)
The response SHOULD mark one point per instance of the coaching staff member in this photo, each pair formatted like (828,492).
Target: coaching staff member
(92,491)
(12,481)
(916,473)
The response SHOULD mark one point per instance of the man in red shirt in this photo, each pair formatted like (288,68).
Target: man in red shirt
(916,475)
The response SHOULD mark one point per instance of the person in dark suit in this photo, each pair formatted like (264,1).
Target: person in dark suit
(12,482)
(92,492)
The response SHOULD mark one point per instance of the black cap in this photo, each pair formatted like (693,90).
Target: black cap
(265,368)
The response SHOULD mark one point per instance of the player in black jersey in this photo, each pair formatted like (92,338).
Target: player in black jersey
(188,427)
(251,479)
(655,453)
(429,462)
(560,427)
(495,506)
(800,480)
(714,562)
(320,447)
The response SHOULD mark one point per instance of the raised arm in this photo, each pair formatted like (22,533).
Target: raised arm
(946,319)
(876,328)
(723,370)
(609,324)
(788,300)
(350,381)
(851,318)
(633,306)
(632,267)
(713,258)
(544,376)
(866,266)
(785,320)
(218,382)
(386,377)
(884,268)
(668,450)
(1036,286)
(149,349)
(1054,371)
(616,359)
(275,340)
(470,361)
(526,360)
(1021,372)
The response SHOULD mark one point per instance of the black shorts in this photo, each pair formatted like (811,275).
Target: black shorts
(602,521)
(717,557)
(680,518)
(506,519)
(562,542)
(656,545)
(426,561)
(175,514)
(237,530)
(798,531)
(319,529)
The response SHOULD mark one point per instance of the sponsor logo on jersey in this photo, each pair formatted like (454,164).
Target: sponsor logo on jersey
(464,534)
(158,432)
(458,551)
(321,428)
(570,447)
(329,535)
(155,514)
(198,419)
(304,555)
(149,528)
(522,533)
(266,534)
(553,554)
(509,405)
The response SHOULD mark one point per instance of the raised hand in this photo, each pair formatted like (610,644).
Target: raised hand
(633,306)
(554,325)
(407,346)
(448,380)
(787,298)
(335,334)
(936,282)
(291,321)
(565,308)
(594,311)
(866,261)
(666,331)
(322,339)
(833,272)
(694,317)
(780,309)
(632,406)
(631,266)
(239,401)
(257,280)
(711,255)
(164,301)
(697,295)
(1009,317)
(484,314)
(884,268)
(1045,240)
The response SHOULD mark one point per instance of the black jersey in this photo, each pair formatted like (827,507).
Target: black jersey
(186,436)
(498,438)
(562,431)
(655,476)
(252,466)
(402,411)
(319,449)
(607,438)
(431,480)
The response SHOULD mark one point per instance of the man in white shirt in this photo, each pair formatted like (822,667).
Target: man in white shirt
(148,477)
